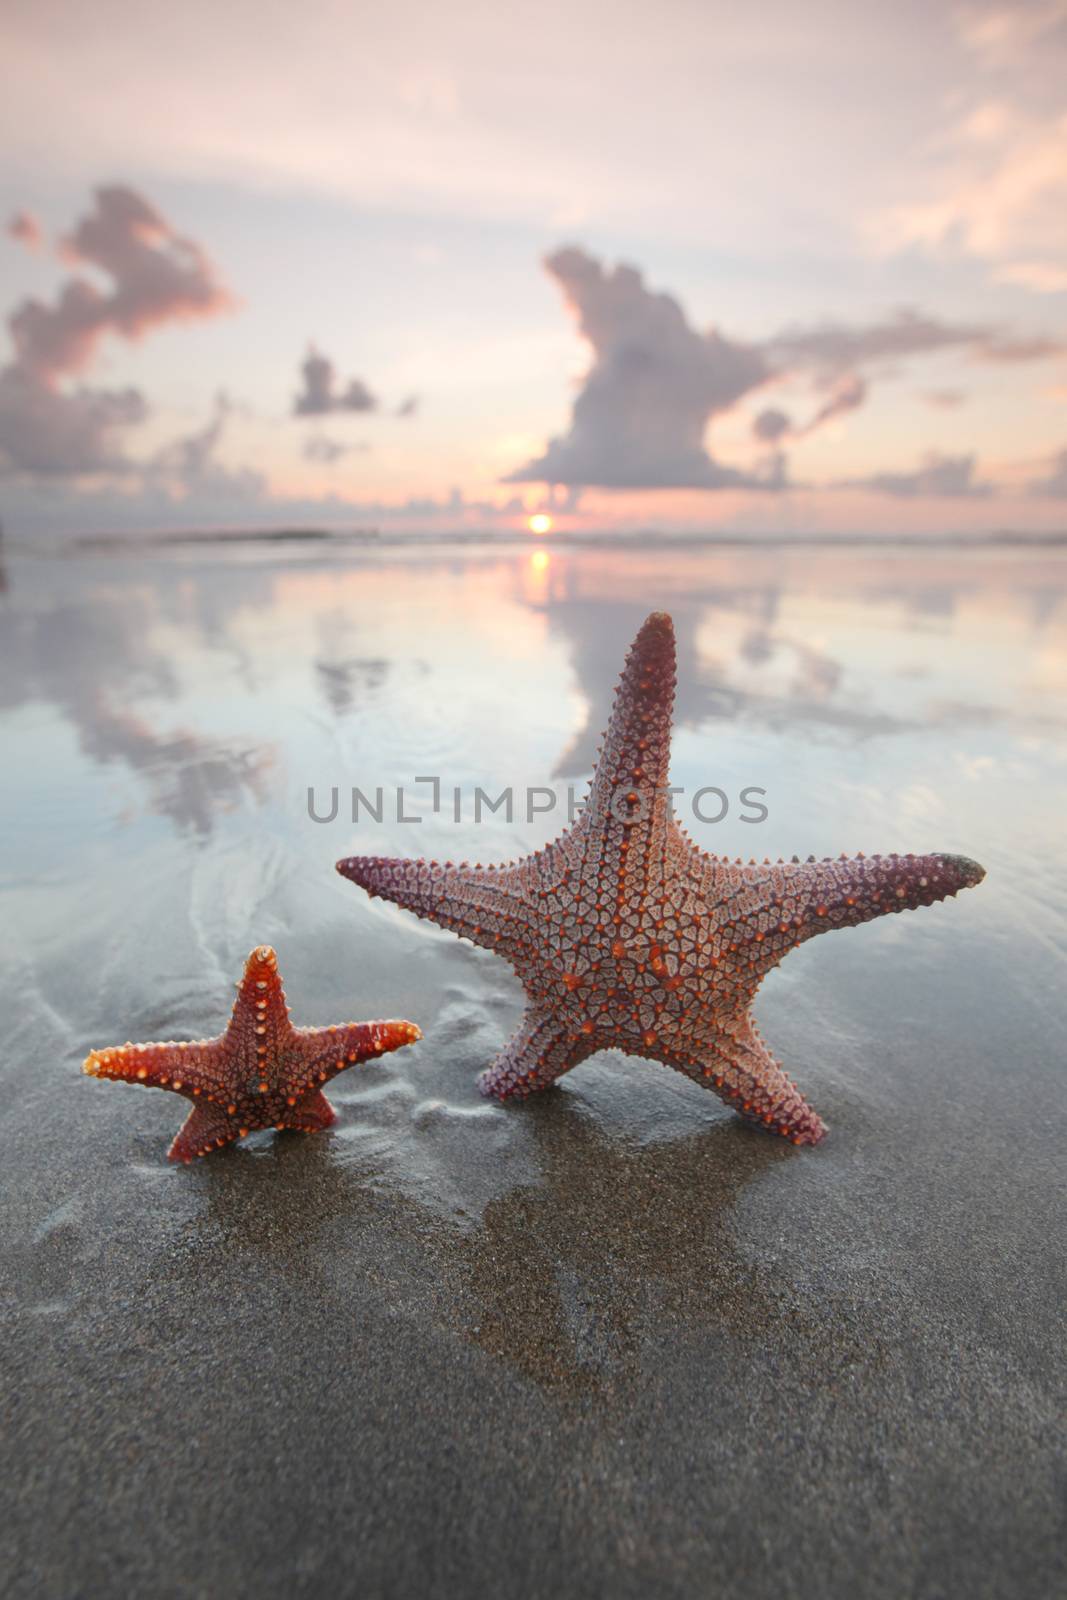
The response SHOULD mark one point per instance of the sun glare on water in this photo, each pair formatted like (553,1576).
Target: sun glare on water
(540,522)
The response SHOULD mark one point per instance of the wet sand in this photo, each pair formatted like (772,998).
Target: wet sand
(609,1342)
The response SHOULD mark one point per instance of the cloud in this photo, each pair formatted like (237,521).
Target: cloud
(833,352)
(1003,200)
(833,347)
(46,432)
(189,467)
(1054,484)
(995,183)
(181,490)
(938,476)
(654,384)
(847,393)
(771,425)
(1043,277)
(1004,349)
(408,407)
(25,229)
(326,451)
(320,396)
(1001,34)
(945,399)
(157,276)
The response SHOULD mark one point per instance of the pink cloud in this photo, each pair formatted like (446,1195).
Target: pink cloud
(156,276)
(25,228)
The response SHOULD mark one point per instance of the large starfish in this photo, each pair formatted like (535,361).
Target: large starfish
(261,1073)
(626,935)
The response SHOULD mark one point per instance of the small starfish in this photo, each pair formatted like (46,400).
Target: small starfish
(261,1073)
(626,935)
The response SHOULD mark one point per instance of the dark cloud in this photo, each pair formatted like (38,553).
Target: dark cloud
(833,347)
(640,416)
(320,395)
(771,425)
(847,393)
(833,354)
(938,476)
(408,407)
(844,392)
(1054,483)
(157,276)
(25,228)
(655,383)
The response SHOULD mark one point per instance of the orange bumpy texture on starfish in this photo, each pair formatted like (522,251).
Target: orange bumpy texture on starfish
(626,935)
(261,1073)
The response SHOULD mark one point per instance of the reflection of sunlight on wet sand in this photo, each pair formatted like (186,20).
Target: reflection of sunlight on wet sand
(536,579)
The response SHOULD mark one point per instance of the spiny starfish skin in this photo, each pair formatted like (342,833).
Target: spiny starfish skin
(626,935)
(261,1073)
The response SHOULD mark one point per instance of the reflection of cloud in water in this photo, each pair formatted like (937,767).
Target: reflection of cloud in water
(90,661)
(598,630)
(345,680)
(744,654)
(345,683)
(189,778)
(790,641)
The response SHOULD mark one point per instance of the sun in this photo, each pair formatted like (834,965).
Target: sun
(540,522)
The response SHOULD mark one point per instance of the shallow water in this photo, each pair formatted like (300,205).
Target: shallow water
(671,1314)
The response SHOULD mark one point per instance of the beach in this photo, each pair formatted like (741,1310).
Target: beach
(608,1341)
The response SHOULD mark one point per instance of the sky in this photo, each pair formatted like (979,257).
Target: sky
(793,269)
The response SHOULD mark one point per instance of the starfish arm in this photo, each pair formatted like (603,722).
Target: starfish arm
(541,1050)
(628,802)
(816,896)
(206,1128)
(744,1073)
(260,1015)
(319,1054)
(313,1114)
(191,1069)
(491,906)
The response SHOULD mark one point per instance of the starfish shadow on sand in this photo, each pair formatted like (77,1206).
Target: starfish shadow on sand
(571,1280)
(578,1277)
